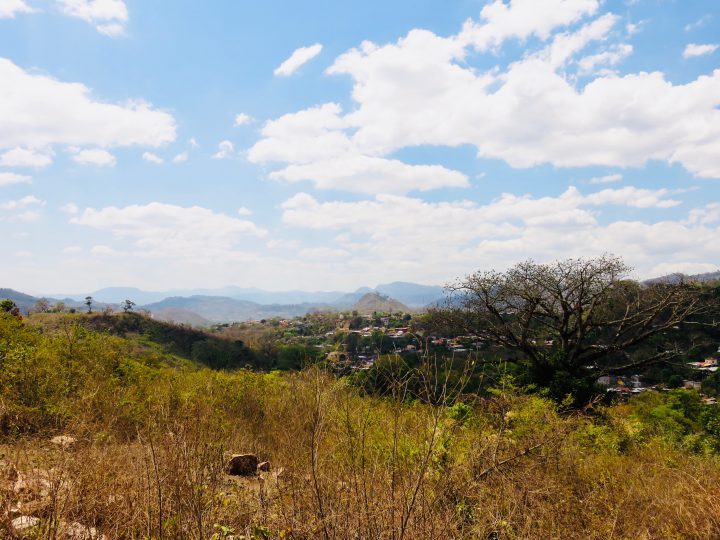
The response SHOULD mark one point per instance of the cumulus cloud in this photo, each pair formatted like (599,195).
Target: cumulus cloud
(37,111)
(23,157)
(241,119)
(9,178)
(318,149)
(94,156)
(153,158)
(693,49)
(607,179)
(108,16)
(9,8)
(297,59)
(430,241)
(427,90)
(70,208)
(225,150)
(166,230)
(181,157)
(19,204)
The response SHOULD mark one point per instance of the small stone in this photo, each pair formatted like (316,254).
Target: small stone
(78,531)
(63,441)
(264,466)
(242,465)
(24,523)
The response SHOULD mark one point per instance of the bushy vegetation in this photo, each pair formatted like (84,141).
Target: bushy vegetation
(428,460)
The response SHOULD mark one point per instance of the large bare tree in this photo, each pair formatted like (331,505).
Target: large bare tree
(575,319)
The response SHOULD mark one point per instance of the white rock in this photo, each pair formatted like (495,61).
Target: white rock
(23,523)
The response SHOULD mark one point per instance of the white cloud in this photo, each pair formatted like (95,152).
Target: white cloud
(298,58)
(19,204)
(9,178)
(241,119)
(105,251)
(702,21)
(95,156)
(693,49)
(23,157)
(428,242)
(520,19)
(181,157)
(225,150)
(683,267)
(153,158)
(244,211)
(424,91)
(70,208)
(71,249)
(108,16)
(607,179)
(323,253)
(315,144)
(37,111)
(193,142)
(166,230)
(612,57)
(9,8)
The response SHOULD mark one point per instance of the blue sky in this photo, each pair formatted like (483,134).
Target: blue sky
(329,145)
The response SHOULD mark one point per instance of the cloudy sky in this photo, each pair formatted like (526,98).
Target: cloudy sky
(327,145)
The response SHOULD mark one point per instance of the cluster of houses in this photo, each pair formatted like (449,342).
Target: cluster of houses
(628,385)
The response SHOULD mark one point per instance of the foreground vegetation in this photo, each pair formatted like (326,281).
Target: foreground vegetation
(154,430)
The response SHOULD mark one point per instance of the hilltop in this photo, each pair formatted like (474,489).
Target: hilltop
(373,301)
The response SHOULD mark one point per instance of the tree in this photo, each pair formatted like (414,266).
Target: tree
(128,305)
(8,306)
(42,305)
(88,302)
(573,320)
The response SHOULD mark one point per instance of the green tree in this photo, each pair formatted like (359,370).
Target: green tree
(128,305)
(88,302)
(573,320)
(8,306)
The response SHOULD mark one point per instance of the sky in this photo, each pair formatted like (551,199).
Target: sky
(324,145)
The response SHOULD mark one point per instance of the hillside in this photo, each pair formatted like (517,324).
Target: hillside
(105,434)
(224,309)
(181,316)
(373,301)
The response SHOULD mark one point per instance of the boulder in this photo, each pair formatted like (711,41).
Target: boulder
(23,524)
(242,465)
(63,441)
(264,466)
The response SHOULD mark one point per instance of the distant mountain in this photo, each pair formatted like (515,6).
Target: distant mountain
(412,294)
(225,309)
(676,278)
(117,295)
(374,301)
(27,302)
(181,316)
(24,301)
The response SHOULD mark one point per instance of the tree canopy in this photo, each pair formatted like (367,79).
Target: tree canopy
(575,319)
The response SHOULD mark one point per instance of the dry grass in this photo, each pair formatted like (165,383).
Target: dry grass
(152,443)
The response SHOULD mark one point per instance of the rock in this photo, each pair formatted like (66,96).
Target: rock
(264,466)
(242,465)
(78,531)
(23,524)
(63,441)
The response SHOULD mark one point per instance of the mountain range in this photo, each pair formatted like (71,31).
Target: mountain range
(201,307)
